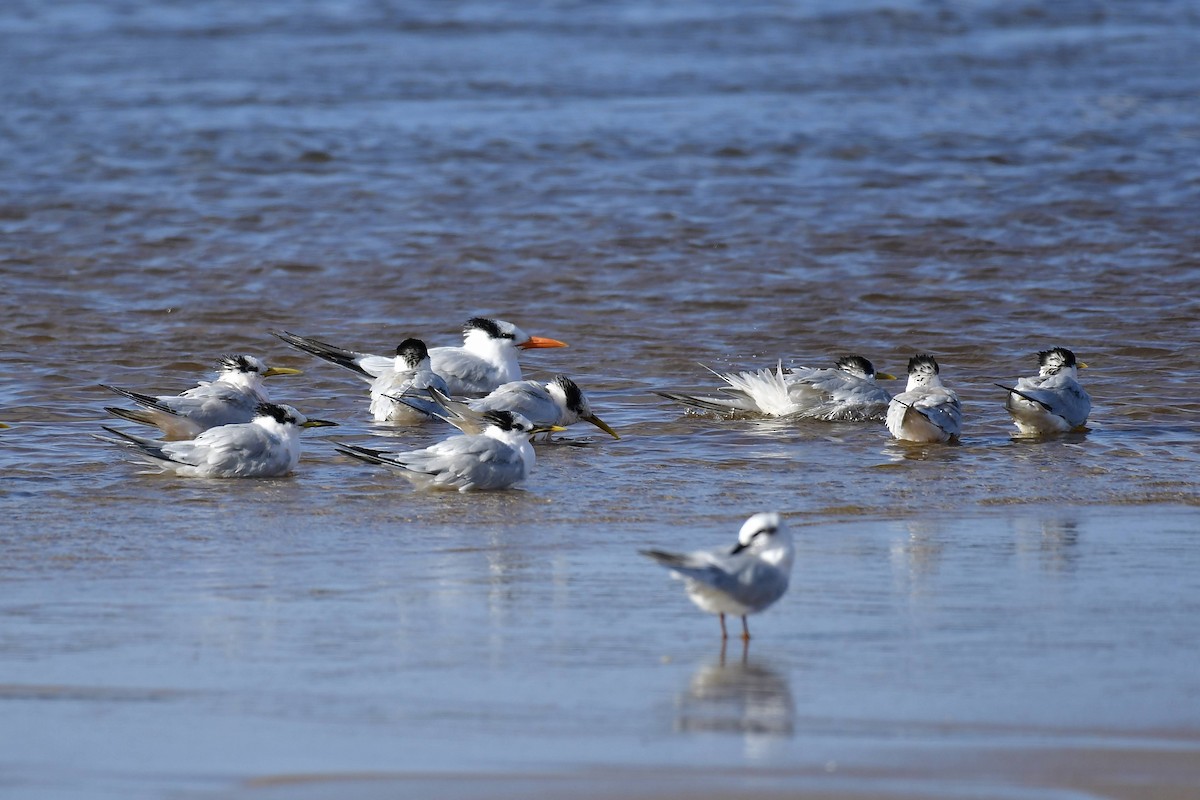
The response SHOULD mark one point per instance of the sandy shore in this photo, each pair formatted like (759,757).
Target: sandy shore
(1134,770)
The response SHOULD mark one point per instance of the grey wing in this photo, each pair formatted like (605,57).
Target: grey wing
(1060,395)
(233,451)
(749,581)
(942,409)
(214,404)
(528,398)
(476,461)
(837,396)
(465,374)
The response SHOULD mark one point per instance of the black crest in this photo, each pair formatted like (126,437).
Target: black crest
(504,420)
(923,360)
(574,394)
(488,326)
(281,414)
(413,351)
(238,363)
(1068,357)
(857,363)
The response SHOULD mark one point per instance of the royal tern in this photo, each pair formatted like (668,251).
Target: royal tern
(264,448)
(498,458)
(486,359)
(926,411)
(1052,401)
(410,370)
(845,393)
(232,398)
(743,580)
(560,402)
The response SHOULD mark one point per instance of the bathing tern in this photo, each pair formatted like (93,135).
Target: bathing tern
(847,392)
(741,580)
(410,370)
(926,411)
(232,398)
(1052,401)
(498,458)
(558,403)
(486,359)
(267,447)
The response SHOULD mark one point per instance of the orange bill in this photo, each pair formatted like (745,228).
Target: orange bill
(540,341)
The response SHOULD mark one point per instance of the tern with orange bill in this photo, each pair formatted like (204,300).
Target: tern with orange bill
(486,359)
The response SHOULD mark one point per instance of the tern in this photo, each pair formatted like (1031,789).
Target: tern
(409,371)
(267,447)
(847,392)
(741,580)
(558,403)
(498,458)
(486,359)
(232,398)
(926,411)
(1052,401)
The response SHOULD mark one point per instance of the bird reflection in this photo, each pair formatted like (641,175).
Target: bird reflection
(1053,542)
(739,697)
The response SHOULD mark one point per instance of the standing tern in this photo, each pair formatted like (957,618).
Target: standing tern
(926,411)
(409,371)
(486,359)
(267,447)
(845,393)
(232,398)
(1052,401)
(498,458)
(743,580)
(560,402)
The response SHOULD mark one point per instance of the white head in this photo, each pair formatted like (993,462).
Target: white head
(923,371)
(570,398)
(510,422)
(765,535)
(271,414)
(857,366)
(1056,361)
(247,371)
(481,332)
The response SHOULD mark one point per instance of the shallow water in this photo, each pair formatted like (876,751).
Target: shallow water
(657,186)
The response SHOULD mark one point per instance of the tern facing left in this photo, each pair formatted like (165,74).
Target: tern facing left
(844,393)
(498,458)
(926,411)
(743,580)
(1052,401)
(233,397)
(267,447)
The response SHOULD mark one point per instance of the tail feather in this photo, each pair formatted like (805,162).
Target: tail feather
(332,353)
(673,560)
(150,447)
(705,403)
(149,401)
(1030,398)
(367,454)
(132,415)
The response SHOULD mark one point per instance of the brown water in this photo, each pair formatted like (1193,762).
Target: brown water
(659,186)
